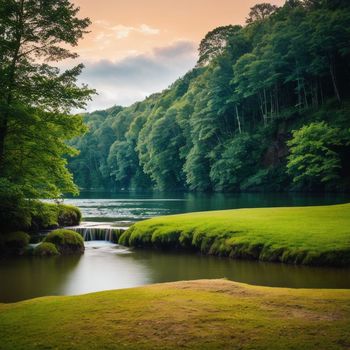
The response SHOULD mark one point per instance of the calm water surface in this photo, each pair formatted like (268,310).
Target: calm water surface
(102,206)
(108,266)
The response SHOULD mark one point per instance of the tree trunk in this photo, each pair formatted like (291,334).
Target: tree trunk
(276,100)
(261,108)
(238,120)
(265,104)
(334,79)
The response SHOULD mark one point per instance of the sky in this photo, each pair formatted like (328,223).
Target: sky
(139,47)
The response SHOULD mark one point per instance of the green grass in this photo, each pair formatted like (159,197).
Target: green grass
(317,235)
(214,314)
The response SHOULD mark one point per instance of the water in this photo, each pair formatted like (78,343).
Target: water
(108,266)
(129,207)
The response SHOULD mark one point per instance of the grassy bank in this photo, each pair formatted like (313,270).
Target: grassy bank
(214,314)
(299,235)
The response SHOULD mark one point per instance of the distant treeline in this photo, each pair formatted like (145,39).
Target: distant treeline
(266,108)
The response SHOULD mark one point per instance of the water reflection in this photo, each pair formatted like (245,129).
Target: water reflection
(107,266)
(166,267)
(102,206)
(27,277)
(102,268)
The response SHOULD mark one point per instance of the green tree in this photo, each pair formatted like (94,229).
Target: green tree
(215,43)
(314,158)
(36,98)
(260,12)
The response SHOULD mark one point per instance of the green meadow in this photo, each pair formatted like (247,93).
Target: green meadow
(318,235)
(206,314)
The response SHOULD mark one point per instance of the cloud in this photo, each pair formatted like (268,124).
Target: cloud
(121,31)
(147,30)
(139,75)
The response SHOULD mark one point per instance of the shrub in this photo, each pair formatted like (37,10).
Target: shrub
(46,249)
(49,215)
(14,243)
(68,215)
(18,213)
(44,215)
(66,241)
(14,211)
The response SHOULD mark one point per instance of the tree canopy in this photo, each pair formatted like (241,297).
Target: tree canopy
(36,98)
(226,124)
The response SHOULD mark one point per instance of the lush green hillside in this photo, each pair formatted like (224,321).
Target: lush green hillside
(214,314)
(226,125)
(299,235)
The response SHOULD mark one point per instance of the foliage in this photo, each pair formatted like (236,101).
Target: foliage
(13,243)
(214,43)
(45,249)
(36,97)
(304,235)
(14,211)
(236,162)
(260,12)
(314,157)
(224,126)
(66,241)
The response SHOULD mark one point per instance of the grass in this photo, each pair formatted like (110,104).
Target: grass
(318,235)
(207,314)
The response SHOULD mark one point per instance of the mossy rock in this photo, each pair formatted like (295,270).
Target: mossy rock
(66,241)
(46,249)
(68,215)
(14,243)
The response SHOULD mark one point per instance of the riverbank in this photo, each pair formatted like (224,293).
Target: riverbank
(205,314)
(315,235)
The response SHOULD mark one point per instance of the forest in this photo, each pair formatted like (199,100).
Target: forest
(265,109)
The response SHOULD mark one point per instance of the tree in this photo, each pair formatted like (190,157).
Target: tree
(313,158)
(237,162)
(260,12)
(36,98)
(215,42)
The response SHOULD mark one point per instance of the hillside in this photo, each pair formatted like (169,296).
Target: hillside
(267,108)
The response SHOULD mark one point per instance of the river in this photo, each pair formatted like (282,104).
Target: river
(108,266)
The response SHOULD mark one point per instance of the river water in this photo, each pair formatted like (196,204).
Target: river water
(108,266)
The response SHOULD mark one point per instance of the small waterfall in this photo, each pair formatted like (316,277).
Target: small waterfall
(96,233)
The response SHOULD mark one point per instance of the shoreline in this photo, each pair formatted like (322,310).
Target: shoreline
(312,235)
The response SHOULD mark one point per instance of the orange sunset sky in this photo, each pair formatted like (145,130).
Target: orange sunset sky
(138,47)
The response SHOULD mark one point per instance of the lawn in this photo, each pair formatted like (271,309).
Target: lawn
(207,314)
(318,235)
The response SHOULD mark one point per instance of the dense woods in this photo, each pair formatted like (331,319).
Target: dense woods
(266,108)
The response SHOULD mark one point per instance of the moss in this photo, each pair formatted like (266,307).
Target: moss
(45,249)
(34,215)
(14,243)
(68,215)
(50,215)
(66,241)
(297,235)
(207,314)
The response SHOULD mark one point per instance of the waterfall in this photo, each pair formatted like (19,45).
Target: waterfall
(95,233)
